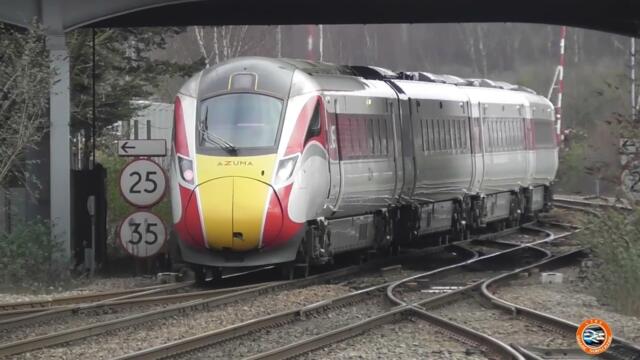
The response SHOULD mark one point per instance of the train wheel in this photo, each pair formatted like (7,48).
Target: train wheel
(394,248)
(200,274)
(290,271)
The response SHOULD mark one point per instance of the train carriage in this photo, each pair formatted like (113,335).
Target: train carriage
(281,161)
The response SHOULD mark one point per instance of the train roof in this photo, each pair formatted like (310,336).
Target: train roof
(379,73)
(336,77)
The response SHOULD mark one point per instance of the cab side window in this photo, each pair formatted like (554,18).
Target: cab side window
(314,124)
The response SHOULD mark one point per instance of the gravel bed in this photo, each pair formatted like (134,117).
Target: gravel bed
(415,291)
(570,300)
(269,339)
(427,263)
(370,280)
(83,286)
(525,238)
(501,325)
(403,340)
(170,329)
(83,318)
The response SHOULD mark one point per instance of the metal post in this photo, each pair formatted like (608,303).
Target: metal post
(148,129)
(633,78)
(311,29)
(93,96)
(321,41)
(279,40)
(563,35)
(90,254)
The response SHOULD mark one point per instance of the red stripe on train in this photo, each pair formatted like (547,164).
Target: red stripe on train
(189,227)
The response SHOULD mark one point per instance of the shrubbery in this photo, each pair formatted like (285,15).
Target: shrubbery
(28,255)
(615,241)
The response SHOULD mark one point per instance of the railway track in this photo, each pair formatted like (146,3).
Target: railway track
(564,200)
(358,311)
(221,343)
(41,305)
(210,301)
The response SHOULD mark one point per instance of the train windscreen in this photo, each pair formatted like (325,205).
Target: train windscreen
(243,120)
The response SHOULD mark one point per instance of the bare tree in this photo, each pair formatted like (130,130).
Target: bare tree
(470,44)
(25,77)
(220,43)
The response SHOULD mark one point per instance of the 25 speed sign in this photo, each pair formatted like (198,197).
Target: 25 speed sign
(142,234)
(143,183)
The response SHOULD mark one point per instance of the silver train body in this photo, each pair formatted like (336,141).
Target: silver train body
(361,158)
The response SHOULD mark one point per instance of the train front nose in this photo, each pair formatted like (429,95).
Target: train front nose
(234,210)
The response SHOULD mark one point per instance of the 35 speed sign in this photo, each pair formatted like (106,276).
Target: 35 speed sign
(142,234)
(143,183)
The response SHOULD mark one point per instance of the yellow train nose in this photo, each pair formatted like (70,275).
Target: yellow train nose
(233,210)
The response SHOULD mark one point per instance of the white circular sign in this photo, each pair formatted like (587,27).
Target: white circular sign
(143,183)
(142,234)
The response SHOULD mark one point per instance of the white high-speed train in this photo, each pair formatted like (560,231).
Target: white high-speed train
(278,161)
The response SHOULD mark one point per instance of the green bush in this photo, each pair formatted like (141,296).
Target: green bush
(614,239)
(28,255)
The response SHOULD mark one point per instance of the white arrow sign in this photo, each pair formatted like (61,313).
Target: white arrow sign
(153,147)
(142,234)
(143,183)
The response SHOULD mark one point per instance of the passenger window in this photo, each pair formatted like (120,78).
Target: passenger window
(376,136)
(432,135)
(463,125)
(443,135)
(436,134)
(447,134)
(357,136)
(494,138)
(454,134)
(459,137)
(423,127)
(364,143)
(501,134)
(371,149)
(383,136)
(514,135)
(509,135)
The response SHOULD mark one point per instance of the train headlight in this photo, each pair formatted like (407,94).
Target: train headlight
(186,169)
(285,169)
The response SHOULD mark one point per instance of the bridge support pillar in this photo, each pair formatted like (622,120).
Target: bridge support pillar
(60,155)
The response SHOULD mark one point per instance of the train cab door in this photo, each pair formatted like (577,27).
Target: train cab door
(333,104)
(477,145)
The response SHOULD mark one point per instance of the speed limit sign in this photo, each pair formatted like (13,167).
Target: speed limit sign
(142,234)
(143,183)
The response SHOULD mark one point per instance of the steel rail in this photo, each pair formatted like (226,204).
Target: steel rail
(26,316)
(21,319)
(73,334)
(86,298)
(401,312)
(566,200)
(619,345)
(217,336)
(247,327)
(516,247)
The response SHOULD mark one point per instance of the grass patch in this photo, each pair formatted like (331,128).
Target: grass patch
(614,239)
(29,258)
